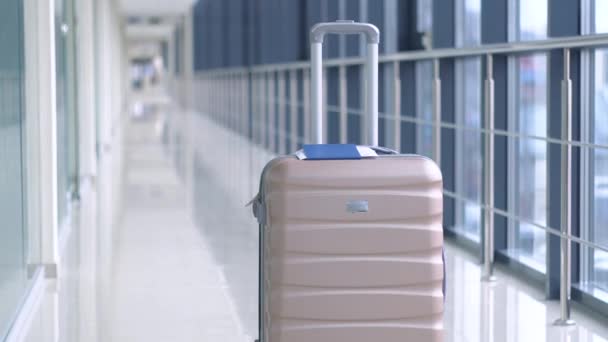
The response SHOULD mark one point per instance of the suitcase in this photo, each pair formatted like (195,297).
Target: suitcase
(351,248)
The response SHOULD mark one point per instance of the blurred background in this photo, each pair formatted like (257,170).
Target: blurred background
(133,134)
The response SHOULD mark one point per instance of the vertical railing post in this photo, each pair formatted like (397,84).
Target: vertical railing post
(488,241)
(221,104)
(265,113)
(236,105)
(272,106)
(235,94)
(244,104)
(261,114)
(317,108)
(229,105)
(343,104)
(566,187)
(397,106)
(221,108)
(255,106)
(436,113)
(268,124)
(308,135)
(281,112)
(324,130)
(226,106)
(213,99)
(246,109)
(238,85)
(216,100)
(232,105)
(293,109)
(240,114)
(234,90)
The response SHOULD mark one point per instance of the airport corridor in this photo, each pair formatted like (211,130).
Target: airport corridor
(185,259)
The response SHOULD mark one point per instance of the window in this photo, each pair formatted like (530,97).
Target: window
(177,39)
(13,250)
(424,108)
(595,262)
(425,16)
(424,83)
(528,155)
(66,111)
(469,141)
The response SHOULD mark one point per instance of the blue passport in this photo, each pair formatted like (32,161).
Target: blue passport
(331,151)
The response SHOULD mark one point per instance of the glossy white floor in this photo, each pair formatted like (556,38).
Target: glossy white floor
(185,256)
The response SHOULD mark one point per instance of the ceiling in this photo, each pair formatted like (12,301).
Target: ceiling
(143,50)
(149,32)
(155,8)
(152,20)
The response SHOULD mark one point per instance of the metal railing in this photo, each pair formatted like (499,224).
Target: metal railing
(254,113)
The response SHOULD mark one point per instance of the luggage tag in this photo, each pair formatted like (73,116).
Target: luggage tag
(334,152)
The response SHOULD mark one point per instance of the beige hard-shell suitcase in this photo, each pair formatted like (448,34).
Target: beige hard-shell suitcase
(351,249)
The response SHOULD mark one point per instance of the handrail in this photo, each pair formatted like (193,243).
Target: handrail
(573,42)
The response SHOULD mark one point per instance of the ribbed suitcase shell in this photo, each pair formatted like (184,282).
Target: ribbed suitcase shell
(332,275)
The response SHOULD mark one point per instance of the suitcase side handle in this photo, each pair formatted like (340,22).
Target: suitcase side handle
(317,34)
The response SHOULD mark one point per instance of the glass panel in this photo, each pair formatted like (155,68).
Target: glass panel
(599,233)
(532,19)
(601,24)
(13,275)
(66,155)
(469,174)
(530,186)
(530,241)
(424,84)
(470,24)
(60,60)
(425,15)
(424,108)
(597,261)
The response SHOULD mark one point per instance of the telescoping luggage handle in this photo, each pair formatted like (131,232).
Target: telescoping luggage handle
(317,33)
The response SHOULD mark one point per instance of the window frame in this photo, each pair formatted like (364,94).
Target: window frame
(587,278)
(70,193)
(583,289)
(587,161)
(39,154)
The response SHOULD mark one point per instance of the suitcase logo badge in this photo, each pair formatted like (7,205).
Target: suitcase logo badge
(357,206)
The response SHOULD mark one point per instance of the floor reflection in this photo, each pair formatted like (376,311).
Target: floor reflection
(226,177)
(184,263)
(506,311)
